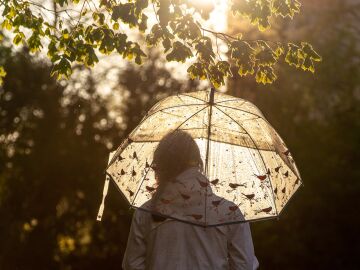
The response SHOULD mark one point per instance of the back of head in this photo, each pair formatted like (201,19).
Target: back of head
(176,152)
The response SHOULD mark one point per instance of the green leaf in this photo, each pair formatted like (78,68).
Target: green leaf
(294,55)
(224,67)
(179,53)
(264,55)
(61,2)
(138,53)
(121,43)
(204,50)
(309,52)
(265,75)
(279,50)
(116,26)
(140,5)
(243,55)
(286,8)
(197,71)
(61,69)
(19,38)
(309,56)
(186,29)
(86,54)
(166,44)
(6,24)
(157,34)
(34,42)
(143,23)
(126,13)
(218,73)
(107,44)
(257,11)
(2,75)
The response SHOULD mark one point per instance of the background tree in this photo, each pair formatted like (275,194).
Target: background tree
(54,143)
(319,119)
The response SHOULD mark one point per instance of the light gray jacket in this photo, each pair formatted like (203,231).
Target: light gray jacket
(176,245)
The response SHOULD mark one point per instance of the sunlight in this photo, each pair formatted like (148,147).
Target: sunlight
(218,22)
(218,15)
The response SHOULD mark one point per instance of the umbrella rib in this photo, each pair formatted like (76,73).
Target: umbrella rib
(206,105)
(216,105)
(211,104)
(194,97)
(172,107)
(142,181)
(230,100)
(262,159)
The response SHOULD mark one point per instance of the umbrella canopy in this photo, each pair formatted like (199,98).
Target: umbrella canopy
(249,173)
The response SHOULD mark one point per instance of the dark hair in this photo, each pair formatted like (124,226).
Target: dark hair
(176,152)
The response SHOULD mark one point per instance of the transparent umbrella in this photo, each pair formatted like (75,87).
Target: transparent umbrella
(249,173)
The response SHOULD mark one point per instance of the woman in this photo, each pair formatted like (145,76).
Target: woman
(160,243)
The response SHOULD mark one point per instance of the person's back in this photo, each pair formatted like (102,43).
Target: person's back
(184,195)
(173,245)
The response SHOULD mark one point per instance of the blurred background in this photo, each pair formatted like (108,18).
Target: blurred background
(55,138)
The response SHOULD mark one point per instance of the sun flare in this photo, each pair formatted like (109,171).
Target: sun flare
(218,15)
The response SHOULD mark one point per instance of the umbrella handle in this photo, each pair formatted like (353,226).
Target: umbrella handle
(105,190)
(102,206)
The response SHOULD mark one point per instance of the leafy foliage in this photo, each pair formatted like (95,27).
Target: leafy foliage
(178,27)
(2,74)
